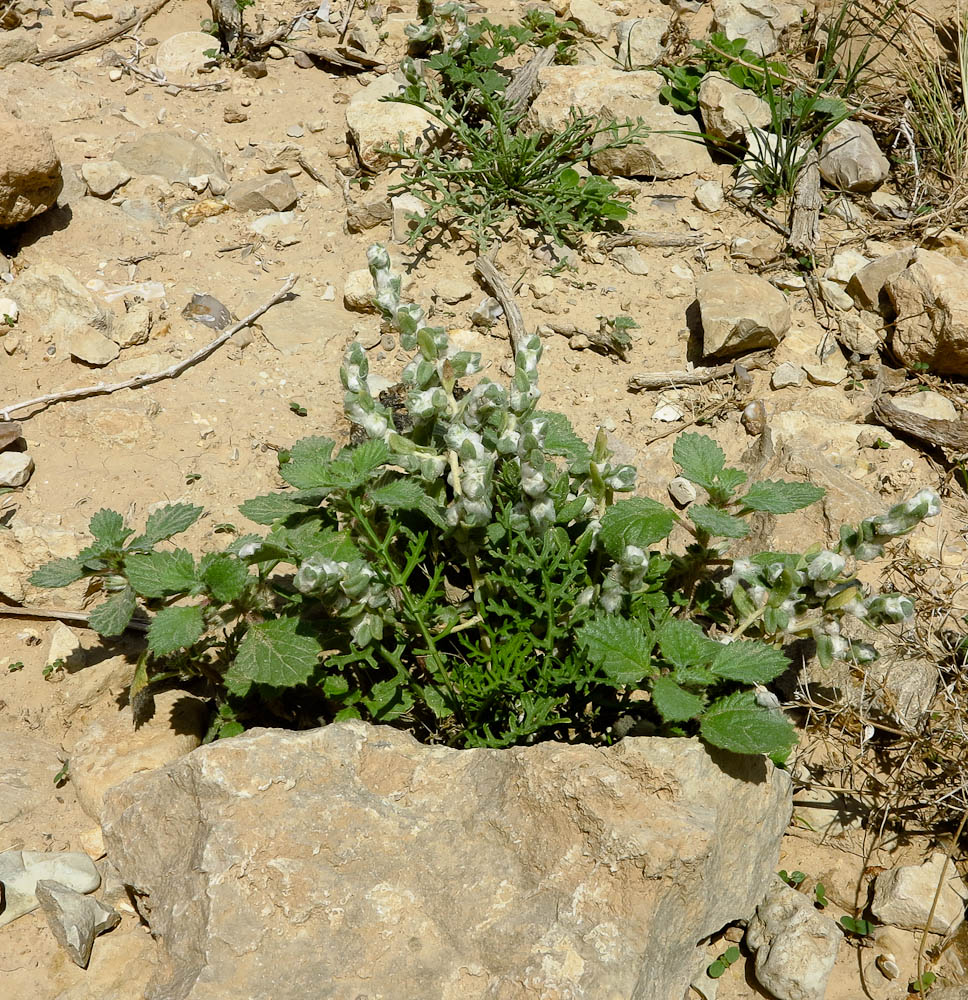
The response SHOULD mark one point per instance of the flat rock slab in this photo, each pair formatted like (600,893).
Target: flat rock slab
(20,871)
(352,860)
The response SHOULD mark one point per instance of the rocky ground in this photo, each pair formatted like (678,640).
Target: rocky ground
(182,180)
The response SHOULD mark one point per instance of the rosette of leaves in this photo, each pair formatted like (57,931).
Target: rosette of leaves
(471,572)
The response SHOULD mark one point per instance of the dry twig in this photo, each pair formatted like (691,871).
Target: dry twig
(698,376)
(138,381)
(75,49)
(641,238)
(504,294)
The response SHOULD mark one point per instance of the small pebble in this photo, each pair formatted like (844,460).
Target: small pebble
(115,74)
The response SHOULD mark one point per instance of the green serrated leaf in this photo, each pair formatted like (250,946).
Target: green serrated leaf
(175,628)
(691,676)
(635,521)
(158,574)
(275,654)
(388,700)
(674,703)
(716,522)
(309,462)
(166,522)
(271,507)
(223,576)
(779,497)
(368,457)
(401,494)
(749,662)
(621,649)
(113,616)
(107,527)
(561,439)
(684,644)
(738,723)
(57,573)
(700,459)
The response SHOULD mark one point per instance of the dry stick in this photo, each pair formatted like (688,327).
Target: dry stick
(81,618)
(934,902)
(805,214)
(103,388)
(698,376)
(524,81)
(162,81)
(503,293)
(641,238)
(951,436)
(69,51)
(345,26)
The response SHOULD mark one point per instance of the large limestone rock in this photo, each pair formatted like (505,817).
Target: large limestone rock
(728,111)
(904,896)
(181,56)
(760,22)
(850,158)
(740,312)
(16,45)
(620,96)
(375,124)
(930,298)
(30,171)
(642,41)
(350,860)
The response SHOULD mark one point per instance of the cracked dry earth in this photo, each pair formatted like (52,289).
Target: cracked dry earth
(210,435)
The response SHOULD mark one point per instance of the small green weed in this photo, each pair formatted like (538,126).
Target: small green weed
(298,408)
(820,896)
(63,775)
(468,572)
(491,169)
(14,667)
(857,926)
(728,957)
(792,879)
(923,982)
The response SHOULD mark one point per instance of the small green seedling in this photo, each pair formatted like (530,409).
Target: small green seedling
(881,443)
(717,968)
(923,982)
(298,408)
(857,925)
(8,320)
(53,668)
(14,667)
(792,879)
(820,895)
(60,779)
(225,528)
(192,477)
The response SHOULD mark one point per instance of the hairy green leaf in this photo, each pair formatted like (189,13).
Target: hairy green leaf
(107,527)
(700,458)
(166,522)
(368,457)
(281,653)
(175,628)
(400,494)
(308,467)
(271,507)
(749,662)
(388,700)
(561,439)
(716,522)
(57,573)
(621,649)
(158,574)
(224,577)
(673,703)
(779,497)
(738,723)
(684,644)
(113,616)
(635,521)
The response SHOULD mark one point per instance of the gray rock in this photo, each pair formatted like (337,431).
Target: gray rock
(787,374)
(65,647)
(930,299)
(16,45)
(404,206)
(93,347)
(104,177)
(866,285)
(402,870)
(641,41)
(454,290)
(375,124)
(171,156)
(927,404)
(903,896)
(729,112)
(16,468)
(796,946)
(20,871)
(618,95)
(901,690)
(75,920)
(30,171)
(861,334)
(682,491)
(740,312)
(760,22)
(850,158)
(270,191)
(630,259)
(709,196)
(182,55)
